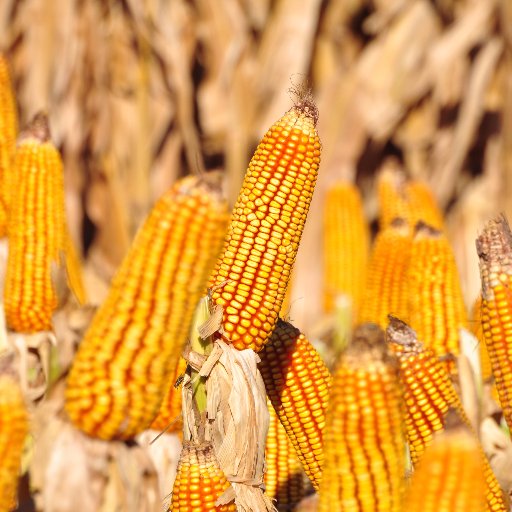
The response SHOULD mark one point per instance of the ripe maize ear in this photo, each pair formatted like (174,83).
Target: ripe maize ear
(8,134)
(129,353)
(266,227)
(199,481)
(450,477)
(410,200)
(169,417)
(38,234)
(346,245)
(284,476)
(363,440)
(429,394)
(436,306)
(386,285)
(13,431)
(297,383)
(494,247)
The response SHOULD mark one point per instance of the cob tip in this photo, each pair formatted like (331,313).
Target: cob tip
(401,334)
(38,128)
(424,230)
(303,102)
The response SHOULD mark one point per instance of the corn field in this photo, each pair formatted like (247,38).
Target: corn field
(255,256)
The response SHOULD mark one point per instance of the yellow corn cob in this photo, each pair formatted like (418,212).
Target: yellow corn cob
(38,235)
(266,226)
(13,430)
(429,393)
(386,286)
(411,200)
(363,440)
(494,247)
(477,330)
(8,133)
(169,416)
(128,355)
(297,383)
(436,306)
(450,477)
(199,481)
(284,477)
(346,244)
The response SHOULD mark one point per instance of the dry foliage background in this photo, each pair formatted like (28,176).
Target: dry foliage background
(142,91)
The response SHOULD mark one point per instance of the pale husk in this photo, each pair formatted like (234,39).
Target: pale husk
(236,423)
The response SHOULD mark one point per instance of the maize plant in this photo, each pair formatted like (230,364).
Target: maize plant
(297,383)
(266,227)
(410,200)
(284,477)
(364,440)
(429,394)
(436,306)
(346,245)
(450,477)
(199,481)
(38,233)
(8,133)
(169,416)
(129,353)
(13,431)
(386,289)
(494,247)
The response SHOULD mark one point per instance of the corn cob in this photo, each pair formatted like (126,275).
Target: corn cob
(266,226)
(450,477)
(436,306)
(297,383)
(13,430)
(363,440)
(284,477)
(494,247)
(199,481)
(386,286)
(429,393)
(128,355)
(8,133)
(409,200)
(38,235)
(169,416)
(346,245)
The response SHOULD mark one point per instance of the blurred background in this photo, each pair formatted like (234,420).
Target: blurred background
(140,92)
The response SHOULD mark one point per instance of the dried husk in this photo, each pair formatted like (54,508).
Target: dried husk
(236,420)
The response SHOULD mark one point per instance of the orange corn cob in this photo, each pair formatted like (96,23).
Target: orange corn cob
(346,245)
(363,441)
(199,481)
(266,226)
(450,477)
(169,416)
(410,200)
(436,306)
(386,286)
(429,393)
(494,247)
(38,235)
(129,353)
(13,431)
(284,477)
(297,383)
(8,133)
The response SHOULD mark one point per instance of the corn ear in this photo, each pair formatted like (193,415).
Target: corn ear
(129,353)
(266,227)
(297,383)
